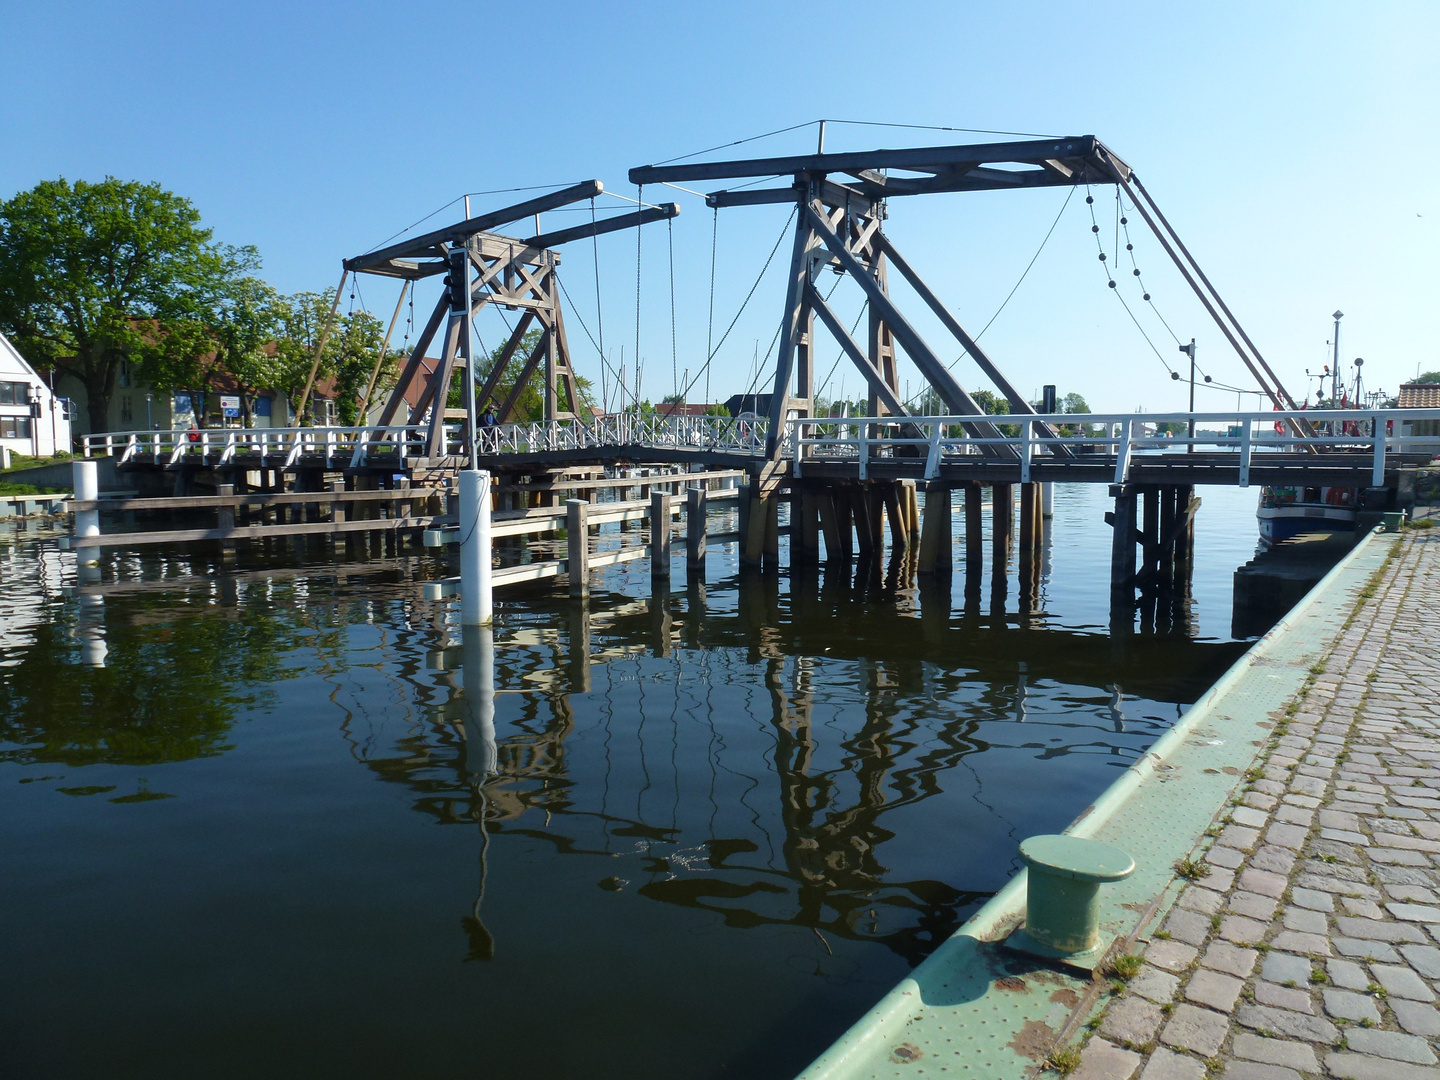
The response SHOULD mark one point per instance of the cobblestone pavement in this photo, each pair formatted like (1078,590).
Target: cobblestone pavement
(1309,949)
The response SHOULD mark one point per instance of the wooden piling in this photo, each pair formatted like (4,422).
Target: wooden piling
(770,555)
(226,520)
(974,527)
(898,513)
(1002,516)
(935,547)
(829,525)
(660,534)
(577,543)
(695,532)
(804,528)
(1028,517)
(1122,548)
(845,522)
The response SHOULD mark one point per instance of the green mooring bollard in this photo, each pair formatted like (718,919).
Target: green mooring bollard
(1062,916)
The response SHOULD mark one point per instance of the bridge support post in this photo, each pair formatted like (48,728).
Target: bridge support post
(1122,557)
(695,531)
(1002,517)
(577,545)
(476,588)
(935,547)
(770,556)
(829,525)
(974,533)
(1028,523)
(804,528)
(845,522)
(660,534)
(897,509)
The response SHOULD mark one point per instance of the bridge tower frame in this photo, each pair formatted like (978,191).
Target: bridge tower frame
(487,267)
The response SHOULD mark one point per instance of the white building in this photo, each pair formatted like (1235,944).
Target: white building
(32,420)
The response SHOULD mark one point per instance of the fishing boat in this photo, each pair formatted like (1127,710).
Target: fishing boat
(1285,512)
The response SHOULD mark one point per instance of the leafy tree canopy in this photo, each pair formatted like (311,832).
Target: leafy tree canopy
(89,271)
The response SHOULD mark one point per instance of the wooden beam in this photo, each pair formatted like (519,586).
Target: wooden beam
(857,355)
(930,365)
(320,347)
(607,225)
(415,363)
(461,230)
(1032,151)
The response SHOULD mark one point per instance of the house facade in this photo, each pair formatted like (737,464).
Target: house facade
(33,419)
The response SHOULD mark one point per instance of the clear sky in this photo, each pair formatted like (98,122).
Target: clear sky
(1292,145)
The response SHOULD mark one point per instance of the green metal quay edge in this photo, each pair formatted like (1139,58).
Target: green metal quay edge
(976,1009)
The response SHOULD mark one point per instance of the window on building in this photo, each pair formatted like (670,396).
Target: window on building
(127,409)
(14,393)
(15,427)
(124,373)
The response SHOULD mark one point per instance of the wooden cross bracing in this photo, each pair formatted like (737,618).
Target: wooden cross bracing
(501,271)
(845,216)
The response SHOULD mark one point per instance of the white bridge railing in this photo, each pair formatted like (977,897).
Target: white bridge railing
(1117,436)
(864,440)
(355,446)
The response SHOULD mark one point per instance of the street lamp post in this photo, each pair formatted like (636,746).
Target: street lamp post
(1189,350)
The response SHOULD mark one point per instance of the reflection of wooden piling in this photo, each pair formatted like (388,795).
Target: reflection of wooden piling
(578,661)
(695,532)
(935,553)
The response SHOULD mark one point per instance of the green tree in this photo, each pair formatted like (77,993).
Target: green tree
(228,328)
(1429,377)
(993,403)
(91,273)
(1074,403)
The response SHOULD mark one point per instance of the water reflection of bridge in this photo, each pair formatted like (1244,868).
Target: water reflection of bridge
(735,748)
(835,787)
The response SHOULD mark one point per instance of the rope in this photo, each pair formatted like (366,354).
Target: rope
(1024,274)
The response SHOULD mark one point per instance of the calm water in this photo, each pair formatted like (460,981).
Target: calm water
(256,821)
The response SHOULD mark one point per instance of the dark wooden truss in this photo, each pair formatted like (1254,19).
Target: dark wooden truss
(509,272)
(841,200)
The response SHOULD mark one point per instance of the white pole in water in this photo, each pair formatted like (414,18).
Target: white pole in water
(476,589)
(1047,498)
(86,478)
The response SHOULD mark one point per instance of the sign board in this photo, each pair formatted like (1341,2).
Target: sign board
(230,405)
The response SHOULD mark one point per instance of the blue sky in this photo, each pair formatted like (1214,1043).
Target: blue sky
(1292,145)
